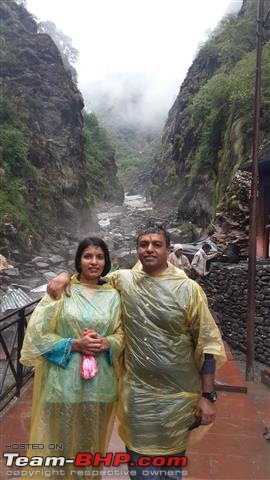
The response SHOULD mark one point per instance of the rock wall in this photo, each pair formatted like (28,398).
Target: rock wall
(231,222)
(208,134)
(230,302)
(46,184)
(49,107)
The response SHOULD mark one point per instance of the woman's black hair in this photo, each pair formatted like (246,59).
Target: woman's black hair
(95,242)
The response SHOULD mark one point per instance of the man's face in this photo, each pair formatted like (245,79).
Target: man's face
(179,252)
(152,252)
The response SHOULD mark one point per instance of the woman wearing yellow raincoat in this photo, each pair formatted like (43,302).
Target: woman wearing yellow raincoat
(71,414)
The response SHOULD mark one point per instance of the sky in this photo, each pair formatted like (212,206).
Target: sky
(124,43)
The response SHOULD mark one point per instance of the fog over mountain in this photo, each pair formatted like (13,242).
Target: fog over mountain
(138,100)
(133,54)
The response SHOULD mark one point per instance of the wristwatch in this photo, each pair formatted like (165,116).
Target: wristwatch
(211,396)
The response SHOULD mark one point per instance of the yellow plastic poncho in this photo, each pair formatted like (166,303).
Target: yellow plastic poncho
(78,414)
(168,328)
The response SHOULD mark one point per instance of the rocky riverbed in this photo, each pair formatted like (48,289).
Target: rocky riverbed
(117,225)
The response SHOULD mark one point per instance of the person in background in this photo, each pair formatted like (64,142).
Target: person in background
(171,351)
(4,265)
(114,265)
(178,259)
(73,402)
(198,263)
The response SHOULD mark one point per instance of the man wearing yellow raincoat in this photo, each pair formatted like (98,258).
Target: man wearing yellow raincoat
(169,330)
(172,344)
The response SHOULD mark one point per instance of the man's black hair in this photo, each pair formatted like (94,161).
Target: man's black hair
(155,229)
(95,242)
(206,245)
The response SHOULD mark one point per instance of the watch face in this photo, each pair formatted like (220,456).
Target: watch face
(211,396)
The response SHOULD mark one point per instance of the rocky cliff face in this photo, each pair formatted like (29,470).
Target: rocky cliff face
(231,221)
(41,105)
(208,133)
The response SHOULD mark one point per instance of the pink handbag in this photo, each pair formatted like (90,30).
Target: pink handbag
(89,366)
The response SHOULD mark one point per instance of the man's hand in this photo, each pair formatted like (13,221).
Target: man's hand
(206,410)
(58,285)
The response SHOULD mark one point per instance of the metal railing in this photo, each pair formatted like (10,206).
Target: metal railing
(13,375)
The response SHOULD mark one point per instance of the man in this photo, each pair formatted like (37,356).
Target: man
(178,259)
(198,263)
(171,342)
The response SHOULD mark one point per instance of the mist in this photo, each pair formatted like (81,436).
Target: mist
(133,54)
(138,100)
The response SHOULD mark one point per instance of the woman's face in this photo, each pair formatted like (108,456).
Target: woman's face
(92,264)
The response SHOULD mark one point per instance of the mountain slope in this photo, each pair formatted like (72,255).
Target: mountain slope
(208,133)
(45,178)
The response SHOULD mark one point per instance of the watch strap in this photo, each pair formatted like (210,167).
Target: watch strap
(211,396)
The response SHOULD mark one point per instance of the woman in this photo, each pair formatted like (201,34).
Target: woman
(71,414)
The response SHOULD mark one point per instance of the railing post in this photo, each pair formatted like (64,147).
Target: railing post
(19,347)
(252,247)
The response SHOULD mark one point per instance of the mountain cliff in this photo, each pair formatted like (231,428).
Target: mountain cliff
(208,133)
(46,170)
(120,105)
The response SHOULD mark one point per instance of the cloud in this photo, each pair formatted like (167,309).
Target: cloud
(141,45)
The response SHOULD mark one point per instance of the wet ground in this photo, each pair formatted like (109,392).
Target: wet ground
(233,449)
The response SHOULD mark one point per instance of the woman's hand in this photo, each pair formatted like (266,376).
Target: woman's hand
(105,345)
(89,344)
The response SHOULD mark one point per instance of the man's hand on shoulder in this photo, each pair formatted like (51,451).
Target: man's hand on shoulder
(59,284)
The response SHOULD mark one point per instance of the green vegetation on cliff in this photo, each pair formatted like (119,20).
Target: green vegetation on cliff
(54,163)
(23,197)
(133,130)
(209,129)
(100,166)
(135,146)
(224,109)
